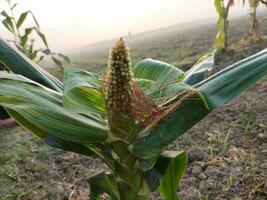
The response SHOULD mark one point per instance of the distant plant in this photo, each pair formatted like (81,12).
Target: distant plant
(127,118)
(25,42)
(255,32)
(222,9)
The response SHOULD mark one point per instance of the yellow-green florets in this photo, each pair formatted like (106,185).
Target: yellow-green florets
(119,86)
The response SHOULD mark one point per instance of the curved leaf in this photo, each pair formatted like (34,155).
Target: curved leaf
(217,90)
(103,182)
(83,93)
(160,172)
(153,75)
(154,139)
(51,139)
(225,85)
(21,19)
(20,64)
(198,71)
(157,71)
(173,175)
(42,108)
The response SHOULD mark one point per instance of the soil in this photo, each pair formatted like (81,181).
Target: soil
(227,150)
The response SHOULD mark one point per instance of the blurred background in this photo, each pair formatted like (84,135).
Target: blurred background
(73,24)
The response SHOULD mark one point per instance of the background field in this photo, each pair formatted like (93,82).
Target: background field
(227,150)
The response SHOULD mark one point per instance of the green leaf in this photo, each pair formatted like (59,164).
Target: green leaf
(21,19)
(173,175)
(65,58)
(20,64)
(198,71)
(219,41)
(51,139)
(40,59)
(8,24)
(24,15)
(47,52)
(68,146)
(219,7)
(156,71)
(103,182)
(42,108)
(83,93)
(154,139)
(8,21)
(154,176)
(24,38)
(14,6)
(152,76)
(42,36)
(217,90)
(4,14)
(58,62)
(227,84)
(35,20)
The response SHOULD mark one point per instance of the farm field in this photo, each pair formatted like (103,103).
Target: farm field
(227,150)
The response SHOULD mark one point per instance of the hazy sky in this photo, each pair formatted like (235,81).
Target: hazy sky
(72,23)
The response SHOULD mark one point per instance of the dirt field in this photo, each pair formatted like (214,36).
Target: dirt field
(227,150)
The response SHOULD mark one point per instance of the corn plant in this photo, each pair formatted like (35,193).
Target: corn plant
(23,39)
(127,118)
(255,32)
(222,9)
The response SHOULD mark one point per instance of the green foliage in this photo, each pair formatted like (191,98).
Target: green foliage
(222,9)
(74,115)
(24,40)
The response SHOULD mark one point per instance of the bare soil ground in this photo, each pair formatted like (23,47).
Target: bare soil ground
(227,150)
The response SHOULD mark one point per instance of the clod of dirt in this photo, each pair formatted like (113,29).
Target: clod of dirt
(191,193)
(195,154)
(262,136)
(196,170)
(212,171)
(202,176)
(236,171)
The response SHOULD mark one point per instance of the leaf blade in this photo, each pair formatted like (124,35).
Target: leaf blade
(83,92)
(42,107)
(172,177)
(20,64)
(216,90)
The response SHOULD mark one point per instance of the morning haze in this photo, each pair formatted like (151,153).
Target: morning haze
(71,24)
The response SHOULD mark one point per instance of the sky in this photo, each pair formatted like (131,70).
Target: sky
(69,24)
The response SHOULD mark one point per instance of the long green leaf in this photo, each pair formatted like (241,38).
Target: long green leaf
(51,139)
(103,182)
(154,176)
(152,141)
(24,38)
(20,64)
(8,24)
(42,108)
(222,87)
(21,19)
(83,93)
(173,175)
(217,90)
